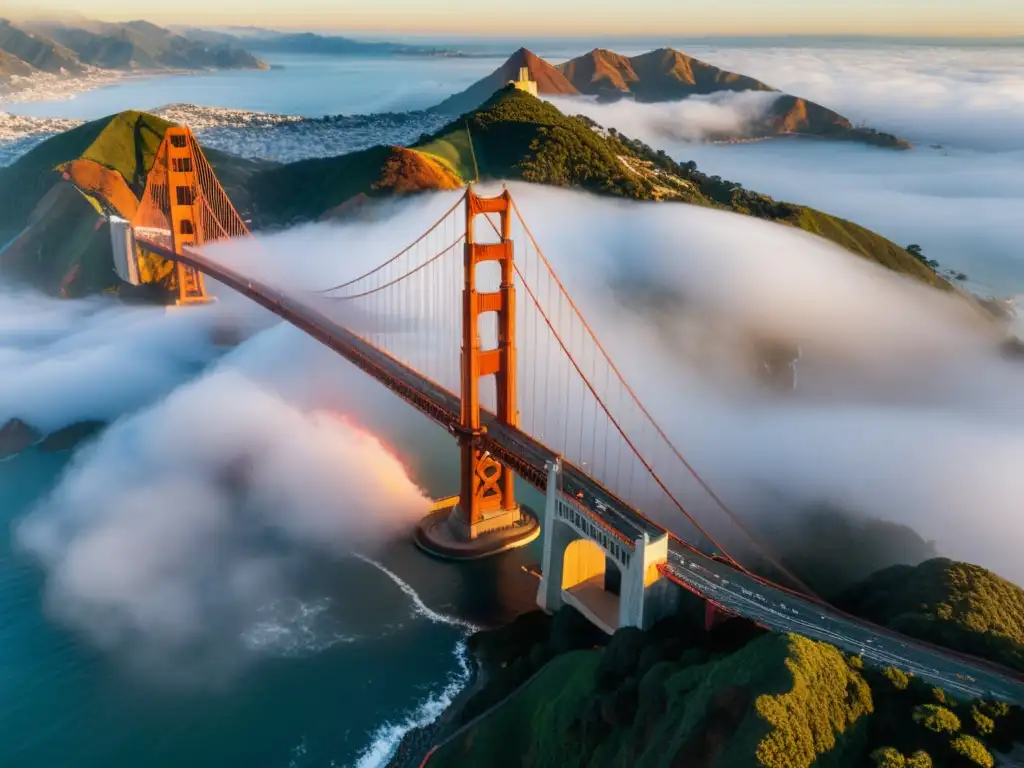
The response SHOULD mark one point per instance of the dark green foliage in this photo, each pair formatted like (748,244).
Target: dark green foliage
(957,605)
(307,189)
(23,184)
(511,654)
(570,631)
(517,136)
(675,696)
(620,658)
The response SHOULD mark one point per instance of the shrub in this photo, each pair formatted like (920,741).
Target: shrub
(919,759)
(936,719)
(983,724)
(942,697)
(972,750)
(900,680)
(888,757)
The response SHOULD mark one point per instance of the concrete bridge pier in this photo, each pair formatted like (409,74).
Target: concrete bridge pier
(579,552)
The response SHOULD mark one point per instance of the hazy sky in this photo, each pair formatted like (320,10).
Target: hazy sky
(569,17)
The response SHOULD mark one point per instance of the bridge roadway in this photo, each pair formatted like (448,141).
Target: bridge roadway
(764,603)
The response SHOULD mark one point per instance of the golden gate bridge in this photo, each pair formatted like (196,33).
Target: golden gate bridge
(562,417)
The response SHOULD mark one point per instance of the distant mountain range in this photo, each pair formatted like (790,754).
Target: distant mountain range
(666,75)
(58,47)
(71,46)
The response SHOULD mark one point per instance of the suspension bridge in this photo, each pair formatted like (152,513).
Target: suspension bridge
(470,325)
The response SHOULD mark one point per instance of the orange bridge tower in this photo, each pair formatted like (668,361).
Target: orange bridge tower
(484,518)
(183,207)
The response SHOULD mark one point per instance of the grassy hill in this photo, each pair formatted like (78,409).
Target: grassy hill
(666,74)
(957,605)
(676,696)
(312,189)
(56,230)
(516,136)
(513,136)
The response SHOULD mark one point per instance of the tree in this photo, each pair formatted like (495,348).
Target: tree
(899,679)
(888,757)
(919,759)
(983,724)
(915,250)
(972,750)
(936,719)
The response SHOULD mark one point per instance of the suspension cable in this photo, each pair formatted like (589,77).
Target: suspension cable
(401,253)
(690,468)
(401,277)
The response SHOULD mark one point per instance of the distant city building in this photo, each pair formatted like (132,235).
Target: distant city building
(524,83)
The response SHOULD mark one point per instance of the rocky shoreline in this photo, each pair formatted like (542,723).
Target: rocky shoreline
(17,436)
(416,743)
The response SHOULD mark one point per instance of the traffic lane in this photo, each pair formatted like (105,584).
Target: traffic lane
(794,615)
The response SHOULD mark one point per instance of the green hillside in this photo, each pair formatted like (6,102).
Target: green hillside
(675,697)
(513,136)
(516,136)
(957,605)
(312,189)
(56,235)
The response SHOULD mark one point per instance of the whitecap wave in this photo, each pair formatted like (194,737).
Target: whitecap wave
(419,607)
(294,628)
(386,738)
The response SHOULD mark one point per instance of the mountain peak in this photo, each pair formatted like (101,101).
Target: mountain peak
(549,81)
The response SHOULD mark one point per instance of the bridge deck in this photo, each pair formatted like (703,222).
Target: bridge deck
(764,603)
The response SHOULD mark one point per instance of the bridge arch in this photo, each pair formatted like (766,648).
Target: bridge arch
(582,558)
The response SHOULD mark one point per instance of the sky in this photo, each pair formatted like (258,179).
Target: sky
(955,18)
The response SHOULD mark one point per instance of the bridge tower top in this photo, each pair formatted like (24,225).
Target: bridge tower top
(184,206)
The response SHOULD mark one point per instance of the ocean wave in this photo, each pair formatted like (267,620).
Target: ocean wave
(294,628)
(419,607)
(385,740)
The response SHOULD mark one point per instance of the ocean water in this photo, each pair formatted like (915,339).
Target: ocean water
(337,674)
(310,86)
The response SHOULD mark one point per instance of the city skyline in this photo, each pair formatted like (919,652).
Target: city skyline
(911,18)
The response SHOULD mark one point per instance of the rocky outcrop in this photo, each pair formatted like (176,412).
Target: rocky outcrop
(15,437)
(661,75)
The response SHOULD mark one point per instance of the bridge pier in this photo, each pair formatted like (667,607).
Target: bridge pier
(444,532)
(577,551)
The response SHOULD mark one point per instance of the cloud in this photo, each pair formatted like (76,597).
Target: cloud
(905,410)
(95,359)
(693,119)
(959,202)
(169,539)
(966,97)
